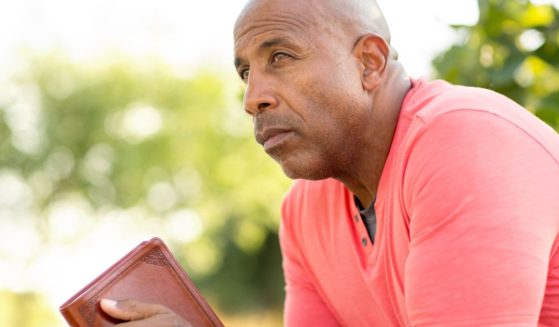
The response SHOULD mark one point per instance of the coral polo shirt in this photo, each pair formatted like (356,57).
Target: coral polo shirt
(467,229)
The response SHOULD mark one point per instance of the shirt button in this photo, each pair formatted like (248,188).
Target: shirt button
(364,241)
(356,218)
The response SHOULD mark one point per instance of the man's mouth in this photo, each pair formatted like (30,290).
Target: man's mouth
(272,137)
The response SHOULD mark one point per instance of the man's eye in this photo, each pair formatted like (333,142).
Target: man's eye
(244,74)
(280,56)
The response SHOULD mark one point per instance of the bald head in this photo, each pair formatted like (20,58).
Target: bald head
(352,17)
(364,15)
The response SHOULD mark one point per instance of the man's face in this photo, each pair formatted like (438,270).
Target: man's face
(304,89)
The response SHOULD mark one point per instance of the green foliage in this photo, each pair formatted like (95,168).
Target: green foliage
(514,50)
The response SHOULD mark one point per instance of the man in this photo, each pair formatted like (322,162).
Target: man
(417,204)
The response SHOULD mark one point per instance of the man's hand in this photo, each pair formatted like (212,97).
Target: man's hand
(141,314)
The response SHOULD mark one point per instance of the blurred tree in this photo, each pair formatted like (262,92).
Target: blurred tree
(514,50)
(126,136)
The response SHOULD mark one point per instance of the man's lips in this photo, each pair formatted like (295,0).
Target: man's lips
(271,137)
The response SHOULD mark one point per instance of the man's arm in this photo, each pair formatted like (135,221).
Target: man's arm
(303,304)
(482,198)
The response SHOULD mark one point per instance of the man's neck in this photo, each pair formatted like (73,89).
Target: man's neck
(364,176)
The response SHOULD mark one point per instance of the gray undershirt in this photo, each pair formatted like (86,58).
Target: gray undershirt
(369,217)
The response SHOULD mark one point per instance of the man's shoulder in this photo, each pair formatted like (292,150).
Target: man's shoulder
(439,101)
(429,100)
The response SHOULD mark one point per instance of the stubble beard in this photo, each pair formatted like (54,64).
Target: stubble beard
(303,164)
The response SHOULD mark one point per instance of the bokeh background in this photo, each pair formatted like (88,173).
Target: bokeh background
(121,120)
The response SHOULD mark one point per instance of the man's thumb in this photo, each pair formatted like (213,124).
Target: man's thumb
(130,309)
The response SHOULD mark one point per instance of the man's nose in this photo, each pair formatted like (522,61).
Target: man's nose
(259,95)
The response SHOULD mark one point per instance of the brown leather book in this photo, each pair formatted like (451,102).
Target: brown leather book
(148,273)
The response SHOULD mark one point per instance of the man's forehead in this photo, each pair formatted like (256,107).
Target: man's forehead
(267,23)
(278,30)
(265,15)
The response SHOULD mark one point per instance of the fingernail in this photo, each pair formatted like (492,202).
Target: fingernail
(109,303)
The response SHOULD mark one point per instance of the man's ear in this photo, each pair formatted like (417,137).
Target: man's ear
(373,53)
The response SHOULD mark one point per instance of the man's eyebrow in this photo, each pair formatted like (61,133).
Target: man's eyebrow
(266,45)
(238,62)
(274,42)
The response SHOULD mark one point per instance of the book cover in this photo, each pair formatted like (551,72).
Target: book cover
(148,273)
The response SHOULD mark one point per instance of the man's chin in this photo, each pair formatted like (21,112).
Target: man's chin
(308,172)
